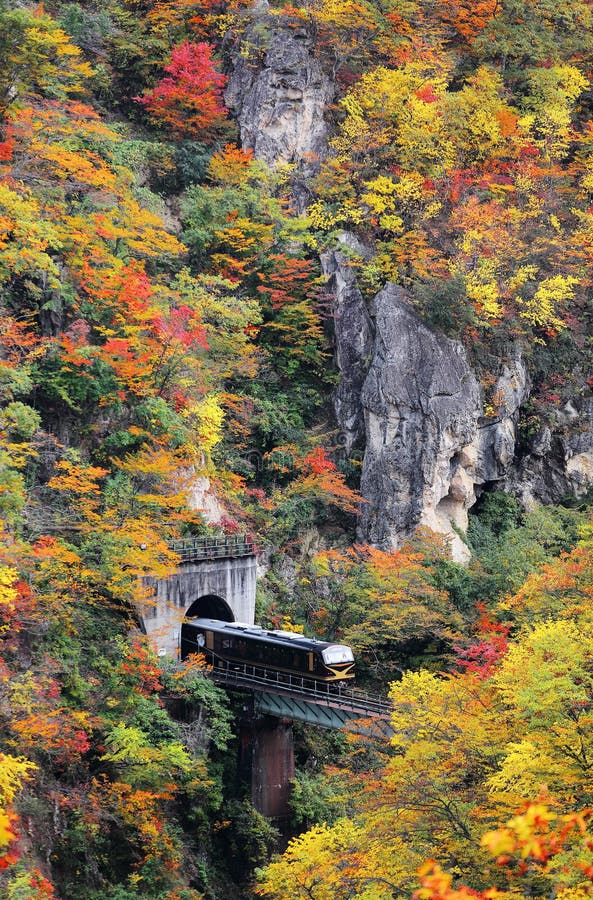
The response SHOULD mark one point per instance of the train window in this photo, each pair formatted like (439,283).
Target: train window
(337,654)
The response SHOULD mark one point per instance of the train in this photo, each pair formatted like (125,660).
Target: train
(234,644)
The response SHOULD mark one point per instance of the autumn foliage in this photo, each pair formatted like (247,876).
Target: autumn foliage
(189,99)
(165,325)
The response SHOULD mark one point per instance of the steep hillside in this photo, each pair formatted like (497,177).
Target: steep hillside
(319,272)
(451,158)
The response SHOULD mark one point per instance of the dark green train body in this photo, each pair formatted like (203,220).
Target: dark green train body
(233,643)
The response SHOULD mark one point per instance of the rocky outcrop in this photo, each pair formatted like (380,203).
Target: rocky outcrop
(433,438)
(280,93)
(203,499)
(421,403)
(354,336)
(429,447)
(558,463)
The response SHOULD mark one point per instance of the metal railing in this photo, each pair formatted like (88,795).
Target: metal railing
(213,547)
(250,677)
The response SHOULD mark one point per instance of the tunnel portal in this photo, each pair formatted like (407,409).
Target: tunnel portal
(221,588)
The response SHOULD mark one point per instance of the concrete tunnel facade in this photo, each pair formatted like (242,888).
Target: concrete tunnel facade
(214,588)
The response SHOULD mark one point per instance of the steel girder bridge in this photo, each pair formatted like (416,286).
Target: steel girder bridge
(275,701)
(302,699)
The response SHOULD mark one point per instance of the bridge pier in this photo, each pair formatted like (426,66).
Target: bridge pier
(267,758)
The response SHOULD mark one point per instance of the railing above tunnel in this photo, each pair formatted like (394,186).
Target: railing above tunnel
(223,546)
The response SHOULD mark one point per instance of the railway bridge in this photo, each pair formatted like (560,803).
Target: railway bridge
(216,579)
(273,701)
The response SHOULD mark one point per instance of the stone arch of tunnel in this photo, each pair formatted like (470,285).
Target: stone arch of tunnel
(210,606)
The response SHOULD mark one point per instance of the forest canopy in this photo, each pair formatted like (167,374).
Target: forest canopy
(166,321)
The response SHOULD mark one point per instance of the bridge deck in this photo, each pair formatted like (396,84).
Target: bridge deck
(299,694)
(286,707)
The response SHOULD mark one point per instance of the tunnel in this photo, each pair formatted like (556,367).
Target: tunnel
(210,606)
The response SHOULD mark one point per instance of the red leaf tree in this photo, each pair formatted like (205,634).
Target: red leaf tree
(189,100)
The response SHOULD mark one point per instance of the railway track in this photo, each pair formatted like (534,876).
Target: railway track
(249,677)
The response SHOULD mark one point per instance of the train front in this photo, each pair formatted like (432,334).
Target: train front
(338,661)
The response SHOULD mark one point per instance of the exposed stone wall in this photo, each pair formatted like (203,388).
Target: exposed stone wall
(559,461)
(280,93)
(432,439)
(421,403)
(354,333)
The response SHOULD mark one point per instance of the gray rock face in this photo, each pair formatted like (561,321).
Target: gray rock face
(409,396)
(559,462)
(428,446)
(354,336)
(421,404)
(496,439)
(279,93)
(432,439)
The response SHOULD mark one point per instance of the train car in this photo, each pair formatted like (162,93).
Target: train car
(236,644)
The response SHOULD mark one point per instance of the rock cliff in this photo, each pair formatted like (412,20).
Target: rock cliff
(433,441)
(558,463)
(427,443)
(280,94)
(354,334)
(407,394)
